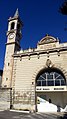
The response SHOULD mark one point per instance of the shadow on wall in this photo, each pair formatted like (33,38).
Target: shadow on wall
(62,117)
(1,72)
(42,105)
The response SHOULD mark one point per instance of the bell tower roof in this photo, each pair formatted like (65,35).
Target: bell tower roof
(15,16)
(16,13)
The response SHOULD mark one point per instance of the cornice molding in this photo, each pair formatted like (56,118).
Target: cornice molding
(39,52)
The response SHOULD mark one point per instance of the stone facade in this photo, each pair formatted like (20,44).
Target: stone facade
(5,98)
(31,62)
(22,68)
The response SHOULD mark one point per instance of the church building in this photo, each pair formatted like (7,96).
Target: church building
(33,79)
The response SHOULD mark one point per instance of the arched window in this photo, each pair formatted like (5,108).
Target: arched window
(50,77)
(12,25)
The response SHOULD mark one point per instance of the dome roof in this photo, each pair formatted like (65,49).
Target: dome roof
(47,39)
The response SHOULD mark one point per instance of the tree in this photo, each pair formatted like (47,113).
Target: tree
(63,8)
(63,11)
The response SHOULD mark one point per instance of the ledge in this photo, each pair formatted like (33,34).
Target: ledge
(37,52)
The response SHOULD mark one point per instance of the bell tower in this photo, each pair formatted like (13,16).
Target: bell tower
(13,45)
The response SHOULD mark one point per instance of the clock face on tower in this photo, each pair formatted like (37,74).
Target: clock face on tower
(11,35)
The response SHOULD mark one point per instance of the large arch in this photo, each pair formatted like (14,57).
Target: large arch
(52,98)
(50,77)
(44,67)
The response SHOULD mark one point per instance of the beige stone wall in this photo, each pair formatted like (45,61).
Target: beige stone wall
(57,97)
(25,71)
(5,98)
(8,64)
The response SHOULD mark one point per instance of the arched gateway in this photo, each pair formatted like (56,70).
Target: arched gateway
(50,83)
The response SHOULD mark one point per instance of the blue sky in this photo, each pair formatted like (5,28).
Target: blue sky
(40,17)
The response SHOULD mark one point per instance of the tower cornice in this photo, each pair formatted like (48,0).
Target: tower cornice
(13,43)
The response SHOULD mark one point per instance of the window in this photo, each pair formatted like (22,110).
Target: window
(8,64)
(12,25)
(6,79)
(50,77)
